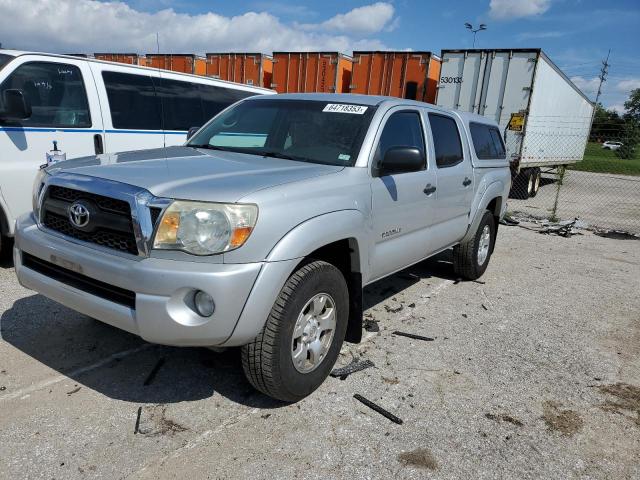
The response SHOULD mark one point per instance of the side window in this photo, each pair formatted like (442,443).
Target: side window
(403,129)
(181,106)
(55,91)
(216,99)
(446,140)
(132,101)
(498,143)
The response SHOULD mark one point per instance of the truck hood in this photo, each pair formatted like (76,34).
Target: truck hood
(194,174)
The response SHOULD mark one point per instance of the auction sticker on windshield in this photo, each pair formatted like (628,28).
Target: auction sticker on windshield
(344,108)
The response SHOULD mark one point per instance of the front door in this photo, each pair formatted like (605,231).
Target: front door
(65,111)
(402,203)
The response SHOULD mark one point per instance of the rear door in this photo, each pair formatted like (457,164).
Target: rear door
(402,210)
(455,179)
(65,110)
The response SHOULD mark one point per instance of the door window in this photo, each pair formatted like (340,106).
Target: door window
(55,92)
(403,129)
(446,140)
(181,105)
(486,141)
(215,99)
(132,101)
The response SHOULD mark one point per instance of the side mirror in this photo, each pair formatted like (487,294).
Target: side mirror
(16,105)
(192,132)
(401,160)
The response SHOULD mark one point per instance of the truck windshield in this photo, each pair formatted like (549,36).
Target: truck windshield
(304,130)
(4,59)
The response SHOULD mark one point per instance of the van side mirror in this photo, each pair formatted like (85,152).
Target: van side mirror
(401,160)
(16,105)
(192,132)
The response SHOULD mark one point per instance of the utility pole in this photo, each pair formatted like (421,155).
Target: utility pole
(604,71)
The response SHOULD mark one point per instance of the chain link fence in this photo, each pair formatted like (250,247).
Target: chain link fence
(562,178)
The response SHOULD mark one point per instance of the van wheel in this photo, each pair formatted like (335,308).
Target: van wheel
(301,340)
(536,178)
(470,259)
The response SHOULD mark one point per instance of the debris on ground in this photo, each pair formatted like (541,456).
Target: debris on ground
(75,390)
(504,418)
(377,408)
(420,458)
(484,306)
(509,221)
(414,336)
(567,422)
(154,372)
(391,381)
(412,305)
(353,367)
(394,309)
(371,325)
(136,430)
(565,228)
(3,388)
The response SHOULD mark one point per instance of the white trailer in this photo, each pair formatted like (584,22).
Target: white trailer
(545,118)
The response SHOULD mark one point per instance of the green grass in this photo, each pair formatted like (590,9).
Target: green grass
(599,160)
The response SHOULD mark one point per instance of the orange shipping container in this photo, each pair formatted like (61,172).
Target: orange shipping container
(249,68)
(129,58)
(412,75)
(184,63)
(326,72)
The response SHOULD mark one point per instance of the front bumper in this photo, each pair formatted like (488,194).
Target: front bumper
(161,287)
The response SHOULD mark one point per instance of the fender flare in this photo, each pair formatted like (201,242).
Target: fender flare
(494,190)
(285,256)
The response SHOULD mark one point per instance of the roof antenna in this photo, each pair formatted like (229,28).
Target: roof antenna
(164,136)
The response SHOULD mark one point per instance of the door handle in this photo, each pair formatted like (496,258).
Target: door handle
(467,182)
(428,190)
(97,144)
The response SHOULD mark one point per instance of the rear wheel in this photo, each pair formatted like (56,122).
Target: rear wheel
(522,185)
(301,340)
(470,259)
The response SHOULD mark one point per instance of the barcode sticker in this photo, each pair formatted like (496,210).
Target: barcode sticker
(344,108)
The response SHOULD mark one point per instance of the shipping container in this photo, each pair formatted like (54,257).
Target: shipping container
(248,68)
(545,118)
(184,63)
(412,75)
(327,72)
(128,58)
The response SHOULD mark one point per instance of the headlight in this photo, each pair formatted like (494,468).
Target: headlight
(37,187)
(205,228)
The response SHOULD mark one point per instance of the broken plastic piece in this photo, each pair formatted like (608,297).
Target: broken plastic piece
(354,366)
(378,409)
(414,336)
(137,428)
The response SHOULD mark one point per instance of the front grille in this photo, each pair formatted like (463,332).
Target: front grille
(80,282)
(110,224)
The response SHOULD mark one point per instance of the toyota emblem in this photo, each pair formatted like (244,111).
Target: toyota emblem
(79,215)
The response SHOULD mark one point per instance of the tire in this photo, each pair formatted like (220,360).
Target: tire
(268,361)
(467,256)
(520,187)
(536,178)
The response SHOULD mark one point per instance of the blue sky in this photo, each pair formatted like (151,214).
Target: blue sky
(576,34)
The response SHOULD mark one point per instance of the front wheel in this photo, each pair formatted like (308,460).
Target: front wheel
(470,259)
(301,340)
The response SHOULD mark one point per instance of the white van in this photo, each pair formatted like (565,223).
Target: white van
(89,106)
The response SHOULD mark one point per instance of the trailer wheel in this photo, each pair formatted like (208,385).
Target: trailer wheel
(470,259)
(520,186)
(537,177)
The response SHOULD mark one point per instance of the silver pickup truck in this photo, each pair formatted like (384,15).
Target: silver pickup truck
(262,230)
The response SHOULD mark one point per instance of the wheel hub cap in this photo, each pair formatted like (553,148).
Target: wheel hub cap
(313,332)
(484,244)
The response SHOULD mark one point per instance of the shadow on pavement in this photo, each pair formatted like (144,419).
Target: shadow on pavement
(85,350)
(6,255)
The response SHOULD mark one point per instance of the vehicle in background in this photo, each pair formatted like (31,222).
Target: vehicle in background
(412,75)
(249,68)
(85,106)
(307,72)
(544,117)
(612,145)
(177,62)
(262,230)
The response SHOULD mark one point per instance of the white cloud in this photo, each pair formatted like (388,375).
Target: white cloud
(588,85)
(617,108)
(362,20)
(93,26)
(628,85)
(511,9)
(537,35)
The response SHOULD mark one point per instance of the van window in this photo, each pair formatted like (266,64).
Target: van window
(446,140)
(403,129)
(55,92)
(4,59)
(215,99)
(486,141)
(132,101)
(181,105)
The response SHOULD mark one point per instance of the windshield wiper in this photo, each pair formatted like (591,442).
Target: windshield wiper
(274,154)
(210,147)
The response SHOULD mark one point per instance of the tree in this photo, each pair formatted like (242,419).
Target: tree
(633,104)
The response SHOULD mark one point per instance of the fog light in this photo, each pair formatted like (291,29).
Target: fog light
(204,303)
